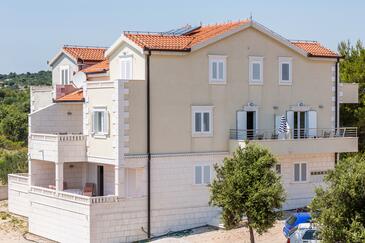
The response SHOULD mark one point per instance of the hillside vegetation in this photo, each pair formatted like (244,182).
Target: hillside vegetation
(14,109)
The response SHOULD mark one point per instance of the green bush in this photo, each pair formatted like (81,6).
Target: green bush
(339,209)
(13,162)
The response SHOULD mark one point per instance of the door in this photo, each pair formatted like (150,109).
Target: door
(241,133)
(100,180)
(251,124)
(300,124)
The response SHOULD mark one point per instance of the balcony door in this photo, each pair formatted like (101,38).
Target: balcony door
(302,124)
(246,124)
(100,180)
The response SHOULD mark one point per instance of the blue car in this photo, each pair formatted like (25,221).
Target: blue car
(294,220)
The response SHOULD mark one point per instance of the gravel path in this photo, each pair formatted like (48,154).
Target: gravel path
(209,234)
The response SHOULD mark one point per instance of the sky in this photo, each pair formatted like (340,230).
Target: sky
(33,31)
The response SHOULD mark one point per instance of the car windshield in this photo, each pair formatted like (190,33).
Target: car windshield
(291,220)
(310,235)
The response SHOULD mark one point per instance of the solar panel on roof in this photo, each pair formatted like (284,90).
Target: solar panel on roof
(181,31)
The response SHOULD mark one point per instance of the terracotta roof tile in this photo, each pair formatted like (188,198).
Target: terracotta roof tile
(315,49)
(99,67)
(86,53)
(162,41)
(76,95)
(182,42)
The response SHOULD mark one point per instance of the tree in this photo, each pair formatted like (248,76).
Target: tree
(13,162)
(352,70)
(339,210)
(247,185)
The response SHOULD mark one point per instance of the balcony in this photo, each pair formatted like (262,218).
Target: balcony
(349,93)
(58,147)
(300,141)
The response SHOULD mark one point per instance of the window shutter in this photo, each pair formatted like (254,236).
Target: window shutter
(241,125)
(277,123)
(206,174)
(312,123)
(94,120)
(198,175)
(296,172)
(206,124)
(123,70)
(106,122)
(303,172)
(290,121)
(198,121)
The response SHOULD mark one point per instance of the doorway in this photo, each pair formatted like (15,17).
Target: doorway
(300,118)
(100,180)
(251,124)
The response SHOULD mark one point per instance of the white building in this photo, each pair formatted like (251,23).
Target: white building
(143,122)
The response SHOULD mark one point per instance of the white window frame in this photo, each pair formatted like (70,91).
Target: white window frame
(300,172)
(130,59)
(203,183)
(62,69)
(256,60)
(105,132)
(217,59)
(289,61)
(202,110)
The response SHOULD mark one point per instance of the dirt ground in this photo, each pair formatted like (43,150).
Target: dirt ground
(209,234)
(14,229)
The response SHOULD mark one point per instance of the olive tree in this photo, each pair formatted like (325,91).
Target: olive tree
(246,185)
(339,210)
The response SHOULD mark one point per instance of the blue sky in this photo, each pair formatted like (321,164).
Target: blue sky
(32,31)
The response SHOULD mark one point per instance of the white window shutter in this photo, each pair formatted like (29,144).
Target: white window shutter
(242,125)
(94,120)
(123,70)
(277,123)
(312,123)
(290,121)
(106,122)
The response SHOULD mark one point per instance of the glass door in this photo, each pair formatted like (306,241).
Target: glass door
(300,118)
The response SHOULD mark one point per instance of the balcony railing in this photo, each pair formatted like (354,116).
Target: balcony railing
(265,134)
(58,147)
(20,178)
(72,197)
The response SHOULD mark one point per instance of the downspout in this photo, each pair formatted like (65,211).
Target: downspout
(148,146)
(336,102)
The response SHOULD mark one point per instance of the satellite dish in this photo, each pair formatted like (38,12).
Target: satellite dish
(79,79)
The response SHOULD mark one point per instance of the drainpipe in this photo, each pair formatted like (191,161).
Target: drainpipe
(148,146)
(336,102)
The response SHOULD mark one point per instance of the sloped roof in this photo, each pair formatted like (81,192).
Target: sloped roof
(184,42)
(75,96)
(86,53)
(99,67)
(314,48)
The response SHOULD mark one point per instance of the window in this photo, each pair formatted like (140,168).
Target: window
(202,120)
(285,70)
(126,67)
(300,172)
(278,168)
(202,174)
(100,121)
(65,74)
(217,70)
(256,70)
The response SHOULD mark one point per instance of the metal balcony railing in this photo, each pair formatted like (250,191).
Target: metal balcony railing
(306,133)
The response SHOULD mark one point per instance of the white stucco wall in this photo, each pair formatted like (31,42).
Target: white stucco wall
(18,197)
(40,96)
(63,60)
(57,118)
